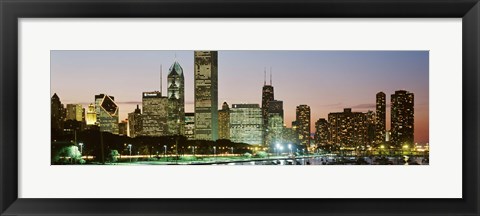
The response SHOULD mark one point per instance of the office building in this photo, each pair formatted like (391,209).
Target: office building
(57,112)
(246,124)
(224,122)
(190,126)
(135,123)
(123,128)
(267,96)
(206,95)
(154,116)
(74,112)
(176,100)
(107,113)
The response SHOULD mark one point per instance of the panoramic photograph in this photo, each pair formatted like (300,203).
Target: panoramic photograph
(239,107)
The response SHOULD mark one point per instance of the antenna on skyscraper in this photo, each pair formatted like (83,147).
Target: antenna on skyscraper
(270,75)
(265,76)
(161,78)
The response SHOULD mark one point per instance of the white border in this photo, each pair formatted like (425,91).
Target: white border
(441,179)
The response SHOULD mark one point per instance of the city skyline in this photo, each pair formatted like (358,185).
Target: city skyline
(327,81)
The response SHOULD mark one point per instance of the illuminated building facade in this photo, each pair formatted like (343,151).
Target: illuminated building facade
(206,95)
(74,112)
(246,124)
(224,122)
(347,128)
(402,118)
(371,127)
(176,100)
(91,117)
(275,122)
(135,123)
(303,124)
(154,116)
(380,112)
(322,132)
(107,113)
(290,135)
(190,126)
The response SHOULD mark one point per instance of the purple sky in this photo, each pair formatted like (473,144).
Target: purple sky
(327,81)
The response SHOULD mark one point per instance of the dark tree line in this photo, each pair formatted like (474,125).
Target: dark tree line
(100,144)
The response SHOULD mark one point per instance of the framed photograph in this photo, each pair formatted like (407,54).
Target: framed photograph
(239,108)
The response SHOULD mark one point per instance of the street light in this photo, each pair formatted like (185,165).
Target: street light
(81,148)
(232,150)
(215,151)
(290,147)
(278,148)
(130,150)
(165,152)
(193,150)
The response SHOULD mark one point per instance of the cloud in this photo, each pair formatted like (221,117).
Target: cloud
(364,106)
(334,105)
(128,102)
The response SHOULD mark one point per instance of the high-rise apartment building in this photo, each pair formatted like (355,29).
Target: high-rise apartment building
(154,116)
(224,122)
(107,112)
(322,132)
(380,122)
(246,124)
(303,124)
(402,118)
(176,100)
(347,128)
(206,95)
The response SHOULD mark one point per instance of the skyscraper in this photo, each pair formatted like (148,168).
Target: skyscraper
(303,124)
(154,116)
(107,113)
(267,96)
(246,124)
(322,132)
(402,118)
(74,112)
(275,122)
(380,123)
(135,123)
(57,112)
(347,128)
(123,128)
(91,118)
(206,95)
(176,100)
(224,122)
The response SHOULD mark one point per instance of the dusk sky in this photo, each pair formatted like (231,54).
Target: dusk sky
(327,81)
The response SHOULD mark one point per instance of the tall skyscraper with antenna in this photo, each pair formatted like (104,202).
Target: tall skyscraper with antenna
(176,100)
(267,96)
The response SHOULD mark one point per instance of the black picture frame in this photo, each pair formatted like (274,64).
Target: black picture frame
(12,10)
